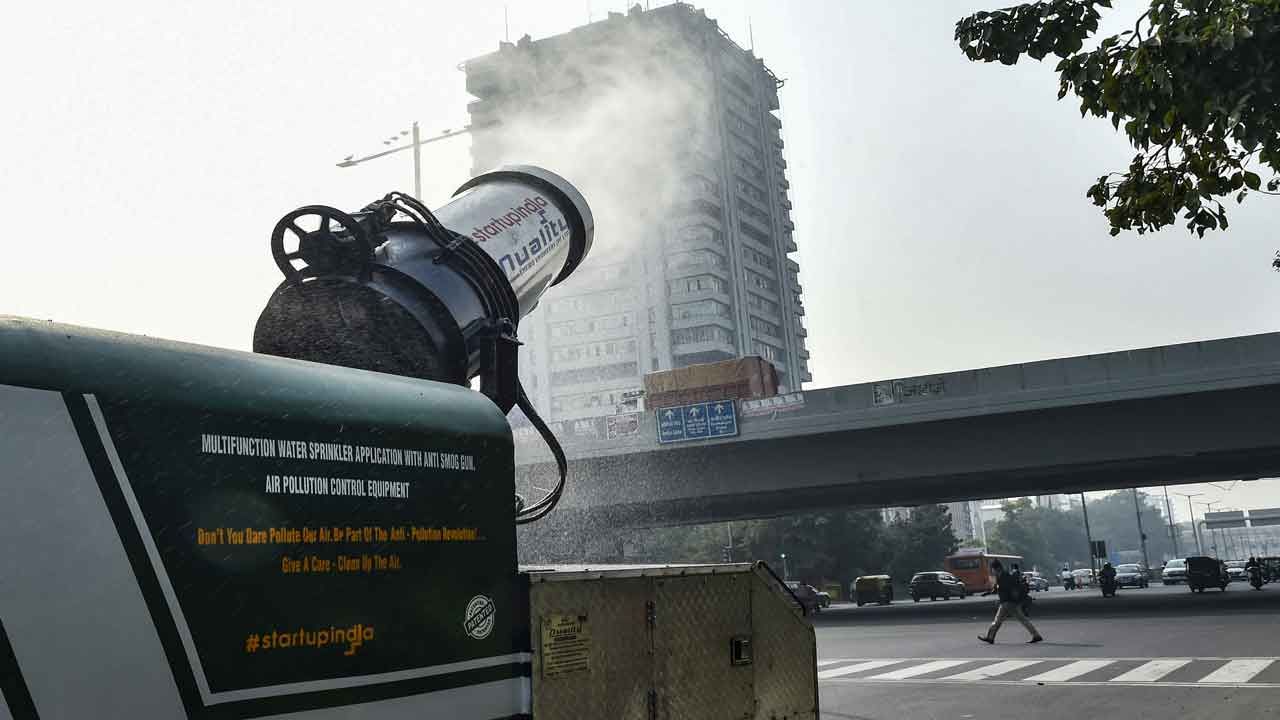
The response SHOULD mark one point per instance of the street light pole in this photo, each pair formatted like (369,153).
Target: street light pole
(1173,531)
(1142,535)
(1219,539)
(786,574)
(1191,509)
(415,145)
(1084,506)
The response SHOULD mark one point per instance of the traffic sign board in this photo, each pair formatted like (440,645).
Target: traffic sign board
(699,421)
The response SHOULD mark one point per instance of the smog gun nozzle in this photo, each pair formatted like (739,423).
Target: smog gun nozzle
(396,288)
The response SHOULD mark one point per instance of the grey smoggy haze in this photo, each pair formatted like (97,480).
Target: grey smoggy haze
(939,204)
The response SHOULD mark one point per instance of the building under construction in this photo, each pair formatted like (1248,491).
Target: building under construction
(670,127)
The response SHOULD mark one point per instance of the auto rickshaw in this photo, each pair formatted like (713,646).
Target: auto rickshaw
(873,588)
(1206,572)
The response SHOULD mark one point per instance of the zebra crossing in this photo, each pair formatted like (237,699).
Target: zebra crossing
(1253,672)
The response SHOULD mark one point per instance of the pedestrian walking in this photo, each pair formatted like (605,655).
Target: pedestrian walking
(1009,589)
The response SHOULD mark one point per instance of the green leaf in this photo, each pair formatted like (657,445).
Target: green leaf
(1252,181)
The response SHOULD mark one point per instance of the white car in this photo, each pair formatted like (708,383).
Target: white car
(1175,571)
(1236,571)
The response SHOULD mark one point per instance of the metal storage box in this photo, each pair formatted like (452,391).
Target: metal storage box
(674,643)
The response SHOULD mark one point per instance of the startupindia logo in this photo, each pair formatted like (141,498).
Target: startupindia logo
(478,619)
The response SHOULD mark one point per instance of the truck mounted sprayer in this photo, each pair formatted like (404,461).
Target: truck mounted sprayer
(325,528)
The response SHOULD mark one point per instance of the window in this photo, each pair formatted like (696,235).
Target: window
(591,303)
(700,309)
(701,334)
(765,327)
(699,206)
(755,279)
(755,302)
(594,373)
(754,234)
(586,326)
(697,283)
(700,233)
(767,351)
(692,258)
(585,401)
(753,212)
(749,190)
(748,167)
(964,564)
(758,258)
(588,351)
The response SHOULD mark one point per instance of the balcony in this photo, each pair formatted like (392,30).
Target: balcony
(786,203)
(701,208)
(787,225)
(774,120)
(699,353)
(679,323)
(755,222)
(789,244)
(721,270)
(777,141)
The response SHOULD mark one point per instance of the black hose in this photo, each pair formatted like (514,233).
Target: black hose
(543,507)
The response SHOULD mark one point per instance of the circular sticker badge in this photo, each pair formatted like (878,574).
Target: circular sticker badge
(478,620)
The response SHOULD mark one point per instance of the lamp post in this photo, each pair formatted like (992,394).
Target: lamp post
(786,575)
(1173,530)
(1191,509)
(416,142)
(1088,536)
(1142,535)
(1217,537)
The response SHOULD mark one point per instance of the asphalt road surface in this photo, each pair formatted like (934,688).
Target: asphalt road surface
(1151,653)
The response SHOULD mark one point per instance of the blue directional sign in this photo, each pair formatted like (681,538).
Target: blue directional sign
(722,418)
(699,421)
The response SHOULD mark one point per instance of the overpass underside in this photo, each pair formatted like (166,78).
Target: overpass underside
(1196,437)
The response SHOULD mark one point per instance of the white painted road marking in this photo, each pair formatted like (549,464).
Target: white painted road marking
(1222,671)
(1237,671)
(915,670)
(1152,671)
(990,671)
(1069,671)
(860,667)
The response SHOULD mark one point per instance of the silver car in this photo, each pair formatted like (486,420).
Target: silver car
(1175,571)
(1131,575)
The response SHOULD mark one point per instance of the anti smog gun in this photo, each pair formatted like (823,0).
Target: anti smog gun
(325,528)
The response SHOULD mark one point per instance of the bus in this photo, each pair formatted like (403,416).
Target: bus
(973,567)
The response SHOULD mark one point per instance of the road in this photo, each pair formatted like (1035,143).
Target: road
(1154,652)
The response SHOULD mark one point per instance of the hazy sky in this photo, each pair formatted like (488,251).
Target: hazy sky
(939,204)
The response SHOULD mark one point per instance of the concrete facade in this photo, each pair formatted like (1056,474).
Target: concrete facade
(679,152)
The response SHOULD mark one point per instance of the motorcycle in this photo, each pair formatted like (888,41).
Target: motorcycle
(1255,577)
(1109,586)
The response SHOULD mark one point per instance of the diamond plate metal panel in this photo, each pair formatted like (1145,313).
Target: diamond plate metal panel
(786,661)
(678,665)
(619,677)
(696,618)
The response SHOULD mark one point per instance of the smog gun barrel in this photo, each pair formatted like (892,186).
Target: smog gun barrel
(396,288)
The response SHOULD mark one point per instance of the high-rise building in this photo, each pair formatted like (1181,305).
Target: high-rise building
(669,129)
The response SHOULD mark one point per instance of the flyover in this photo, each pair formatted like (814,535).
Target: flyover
(1192,412)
